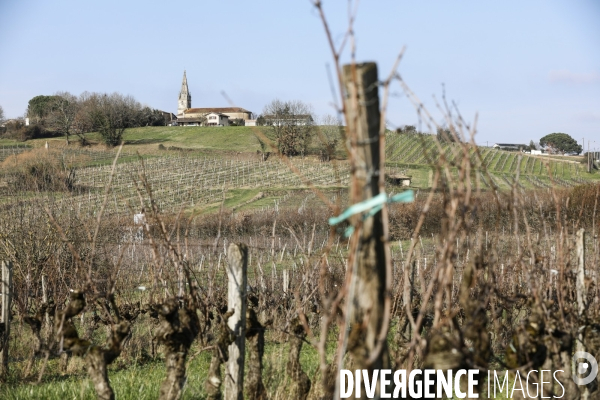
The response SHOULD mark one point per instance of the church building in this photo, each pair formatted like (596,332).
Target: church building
(217,116)
(185,97)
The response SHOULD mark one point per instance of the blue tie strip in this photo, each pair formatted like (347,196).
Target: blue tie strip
(372,205)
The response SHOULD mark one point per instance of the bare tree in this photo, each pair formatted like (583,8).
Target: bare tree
(112,114)
(329,133)
(82,124)
(292,123)
(63,112)
(82,121)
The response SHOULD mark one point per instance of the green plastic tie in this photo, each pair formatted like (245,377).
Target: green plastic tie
(372,205)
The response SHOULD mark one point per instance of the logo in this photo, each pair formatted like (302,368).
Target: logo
(588,367)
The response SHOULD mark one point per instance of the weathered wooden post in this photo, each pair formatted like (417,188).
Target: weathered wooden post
(5,322)
(363,124)
(581,299)
(581,291)
(255,333)
(45,300)
(237,256)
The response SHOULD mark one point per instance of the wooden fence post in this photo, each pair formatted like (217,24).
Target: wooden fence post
(369,294)
(581,291)
(45,300)
(237,256)
(5,322)
(285,280)
(581,299)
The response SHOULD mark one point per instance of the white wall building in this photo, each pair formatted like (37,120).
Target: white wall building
(216,119)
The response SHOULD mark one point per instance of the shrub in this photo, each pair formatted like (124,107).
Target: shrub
(38,170)
(237,122)
(18,131)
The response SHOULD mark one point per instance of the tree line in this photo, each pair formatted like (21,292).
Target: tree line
(64,114)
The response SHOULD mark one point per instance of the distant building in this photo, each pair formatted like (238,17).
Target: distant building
(169,117)
(509,146)
(288,119)
(216,119)
(190,121)
(210,116)
(231,112)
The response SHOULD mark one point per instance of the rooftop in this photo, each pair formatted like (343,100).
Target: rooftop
(216,110)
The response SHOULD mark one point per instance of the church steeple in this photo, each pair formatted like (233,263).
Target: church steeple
(185,98)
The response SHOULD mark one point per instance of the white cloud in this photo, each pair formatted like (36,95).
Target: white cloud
(566,76)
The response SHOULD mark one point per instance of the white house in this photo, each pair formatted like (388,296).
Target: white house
(216,119)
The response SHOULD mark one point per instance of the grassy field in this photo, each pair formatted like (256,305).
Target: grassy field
(229,138)
(142,381)
(9,142)
(147,139)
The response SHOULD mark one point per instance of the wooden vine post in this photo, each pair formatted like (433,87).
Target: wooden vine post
(237,256)
(581,291)
(581,298)
(5,322)
(369,289)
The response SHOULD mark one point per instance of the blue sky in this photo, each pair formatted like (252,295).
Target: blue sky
(528,68)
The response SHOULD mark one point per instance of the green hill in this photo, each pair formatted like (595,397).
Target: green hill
(147,139)
(494,167)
